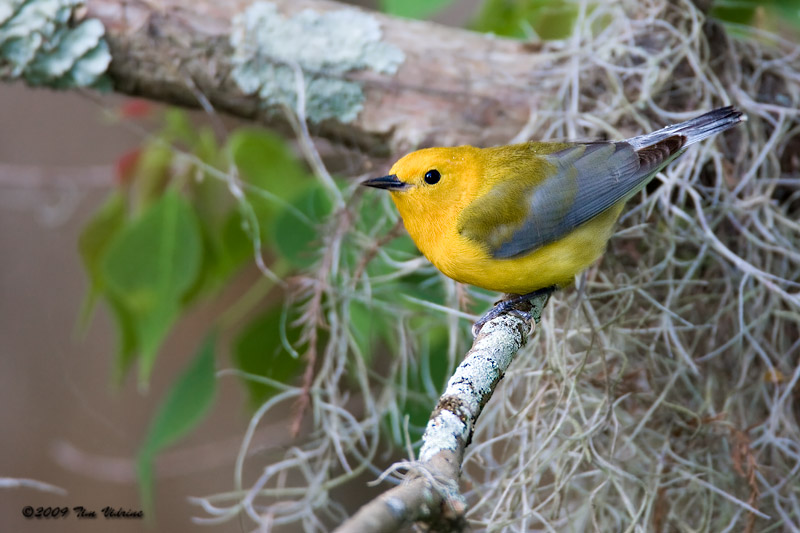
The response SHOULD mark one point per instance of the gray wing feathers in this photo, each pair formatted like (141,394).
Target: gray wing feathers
(590,178)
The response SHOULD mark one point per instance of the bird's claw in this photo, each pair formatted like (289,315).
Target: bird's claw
(498,310)
(494,312)
(478,325)
(509,306)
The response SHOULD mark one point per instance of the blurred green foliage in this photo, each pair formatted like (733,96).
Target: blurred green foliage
(185,405)
(542,19)
(413,8)
(554,19)
(259,351)
(766,14)
(171,234)
(149,266)
(188,212)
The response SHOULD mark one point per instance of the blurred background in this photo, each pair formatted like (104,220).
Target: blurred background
(69,418)
(65,421)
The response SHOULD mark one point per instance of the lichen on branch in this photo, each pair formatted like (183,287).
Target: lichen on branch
(44,43)
(430,491)
(323,46)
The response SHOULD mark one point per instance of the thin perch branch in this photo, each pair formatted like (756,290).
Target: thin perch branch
(431,490)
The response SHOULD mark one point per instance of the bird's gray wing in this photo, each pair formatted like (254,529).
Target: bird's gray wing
(589,178)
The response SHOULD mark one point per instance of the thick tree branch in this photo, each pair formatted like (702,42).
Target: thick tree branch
(474,89)
(385,84)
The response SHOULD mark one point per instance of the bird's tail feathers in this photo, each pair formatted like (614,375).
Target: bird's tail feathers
(694,130)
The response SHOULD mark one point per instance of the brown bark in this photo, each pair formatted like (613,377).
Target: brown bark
(454,86)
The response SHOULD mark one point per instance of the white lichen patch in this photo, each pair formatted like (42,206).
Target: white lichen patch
(269,50)
(39,44)
(442,433)
(471,386)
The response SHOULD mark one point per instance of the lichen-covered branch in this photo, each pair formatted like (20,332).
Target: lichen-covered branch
(369,79)
(430,491)
(42,42)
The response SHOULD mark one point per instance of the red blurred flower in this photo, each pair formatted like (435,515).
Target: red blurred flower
(125,167)
(135,108)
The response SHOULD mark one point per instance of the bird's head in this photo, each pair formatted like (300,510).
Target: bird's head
(432,182)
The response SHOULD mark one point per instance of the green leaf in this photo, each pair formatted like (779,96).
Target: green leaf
(148,268)
(296,229)
(499,17)
(152,174)
(552,19)
(266,162)
(127,341)
(423,287)
(263,157)
(549,19)
(789,11)
(739,12)
(93,243)
(258,350)
(277,183)
(237,247)
(209,194)
(438,367)
(178,127)
(185,405)
(226,246)
(215,208)
(418,9)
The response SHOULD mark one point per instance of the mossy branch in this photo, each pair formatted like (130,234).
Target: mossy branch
(430,492)
(378,85)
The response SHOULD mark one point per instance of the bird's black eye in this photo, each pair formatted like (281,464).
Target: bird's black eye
(432,177)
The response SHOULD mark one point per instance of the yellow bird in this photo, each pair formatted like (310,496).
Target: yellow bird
(524,219)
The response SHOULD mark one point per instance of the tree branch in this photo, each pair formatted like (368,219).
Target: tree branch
(382,83)
(475,89)
(430,492)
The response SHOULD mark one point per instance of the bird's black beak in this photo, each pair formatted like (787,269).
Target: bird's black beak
(390,183)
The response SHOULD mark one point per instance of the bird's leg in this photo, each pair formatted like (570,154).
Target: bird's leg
(509,305)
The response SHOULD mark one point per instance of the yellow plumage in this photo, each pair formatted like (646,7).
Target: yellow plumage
(431,217)
(524,217)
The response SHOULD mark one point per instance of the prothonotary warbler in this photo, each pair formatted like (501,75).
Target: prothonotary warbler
(524,219)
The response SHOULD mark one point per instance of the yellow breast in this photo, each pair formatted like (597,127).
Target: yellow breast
(554,264)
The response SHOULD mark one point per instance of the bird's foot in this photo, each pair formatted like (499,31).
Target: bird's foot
(510,304)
